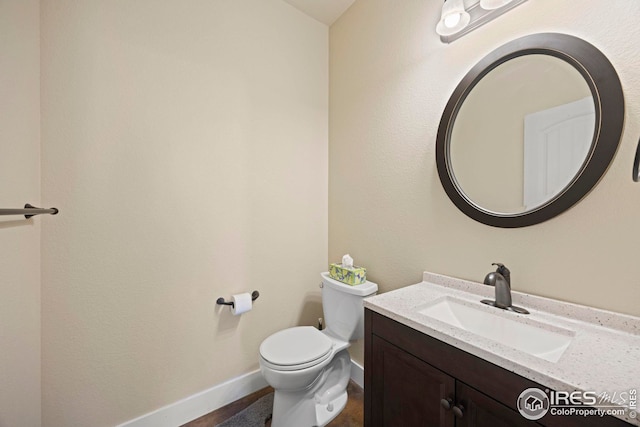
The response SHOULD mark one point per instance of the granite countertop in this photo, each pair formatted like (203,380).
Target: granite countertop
(603,357)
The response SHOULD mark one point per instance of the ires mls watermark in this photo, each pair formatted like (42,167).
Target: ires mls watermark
(534,403)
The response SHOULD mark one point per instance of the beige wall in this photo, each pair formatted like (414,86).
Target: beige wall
(186,146)
(390,78)
(20,247)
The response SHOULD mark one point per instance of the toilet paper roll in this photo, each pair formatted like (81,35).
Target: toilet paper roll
(241,303)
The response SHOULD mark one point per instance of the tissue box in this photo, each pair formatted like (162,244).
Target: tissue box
(351,276)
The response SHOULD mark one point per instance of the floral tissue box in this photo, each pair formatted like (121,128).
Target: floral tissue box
(351,276)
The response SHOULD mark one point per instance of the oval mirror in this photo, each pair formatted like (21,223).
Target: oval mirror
(530,130)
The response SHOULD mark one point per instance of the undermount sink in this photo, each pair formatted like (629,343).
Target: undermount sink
(521,333)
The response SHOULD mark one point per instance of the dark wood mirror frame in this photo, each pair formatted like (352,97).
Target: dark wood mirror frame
(603,81)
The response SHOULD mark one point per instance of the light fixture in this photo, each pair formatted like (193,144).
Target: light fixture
(493,4)
(460,17)
(454,18)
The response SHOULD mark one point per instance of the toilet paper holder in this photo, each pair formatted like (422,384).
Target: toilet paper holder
(221,301)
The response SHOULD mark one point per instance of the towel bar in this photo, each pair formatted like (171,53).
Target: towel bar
(29,211)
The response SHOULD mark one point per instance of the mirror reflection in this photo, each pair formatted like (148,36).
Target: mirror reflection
(522,134)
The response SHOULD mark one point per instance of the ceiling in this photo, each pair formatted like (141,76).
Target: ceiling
(326,11)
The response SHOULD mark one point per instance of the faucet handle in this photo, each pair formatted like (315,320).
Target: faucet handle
(504,271)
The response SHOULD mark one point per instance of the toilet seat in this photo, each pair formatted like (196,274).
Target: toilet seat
(296,348)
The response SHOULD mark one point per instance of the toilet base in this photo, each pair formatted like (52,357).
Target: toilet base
(324,416)
(288,410)
(319,403)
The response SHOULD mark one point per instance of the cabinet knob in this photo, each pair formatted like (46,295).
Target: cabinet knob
(458,411)
(446,403)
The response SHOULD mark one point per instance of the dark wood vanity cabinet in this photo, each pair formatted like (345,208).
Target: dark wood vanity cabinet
(410,392)
(414,380)
(406,390)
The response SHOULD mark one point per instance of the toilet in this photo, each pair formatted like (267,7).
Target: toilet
(310,369)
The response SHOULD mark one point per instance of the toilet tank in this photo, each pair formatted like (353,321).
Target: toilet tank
(343,309)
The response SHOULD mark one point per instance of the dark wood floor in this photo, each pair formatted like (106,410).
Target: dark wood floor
(351,416)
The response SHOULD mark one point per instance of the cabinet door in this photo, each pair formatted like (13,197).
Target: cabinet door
(406,390)
(479,410)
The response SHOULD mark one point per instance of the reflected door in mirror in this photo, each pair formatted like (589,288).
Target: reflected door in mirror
(556,143)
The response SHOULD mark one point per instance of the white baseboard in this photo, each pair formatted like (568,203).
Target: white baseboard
(357,373)
(192,407)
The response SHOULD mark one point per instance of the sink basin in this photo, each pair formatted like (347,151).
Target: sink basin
(520,332)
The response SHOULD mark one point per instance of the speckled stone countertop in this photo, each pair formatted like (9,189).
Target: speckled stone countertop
(604,355)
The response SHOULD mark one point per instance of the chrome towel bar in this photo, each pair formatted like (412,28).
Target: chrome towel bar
(29,211)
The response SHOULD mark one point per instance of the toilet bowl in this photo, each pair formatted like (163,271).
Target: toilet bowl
(310,369)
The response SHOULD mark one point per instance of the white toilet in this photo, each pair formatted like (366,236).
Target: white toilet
(310,369)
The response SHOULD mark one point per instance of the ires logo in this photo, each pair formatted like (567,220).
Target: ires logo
(534,403)
(574,398)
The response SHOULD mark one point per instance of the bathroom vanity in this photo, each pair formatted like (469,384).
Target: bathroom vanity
(431,359)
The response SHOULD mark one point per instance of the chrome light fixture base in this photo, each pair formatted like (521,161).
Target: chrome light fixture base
(479,17)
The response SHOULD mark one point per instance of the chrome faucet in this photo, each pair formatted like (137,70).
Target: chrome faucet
(501,281)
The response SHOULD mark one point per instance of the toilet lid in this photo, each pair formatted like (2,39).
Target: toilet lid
(295,346)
